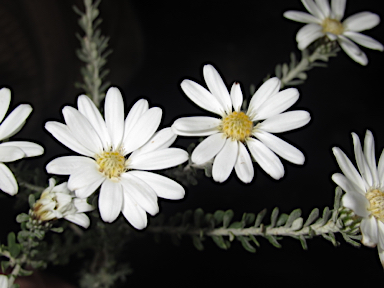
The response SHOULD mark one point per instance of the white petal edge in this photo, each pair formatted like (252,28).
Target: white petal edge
(244,166)
(15,121)
(8,182)
(196,126)
(285,121)
(5,100)
(134,214)
(159,159)
(225,161)
(110,200)
(114,116)
(30,149)
(208,148)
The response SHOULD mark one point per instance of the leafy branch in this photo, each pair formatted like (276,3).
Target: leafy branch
(223,231)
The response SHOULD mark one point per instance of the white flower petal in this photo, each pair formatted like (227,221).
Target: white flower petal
(79,219)
(157,160)
(3,281)
(362,165)
(138,109)
(217,87)
(66,165)
(202,97)
(30,149)
(225,161)
(285,121)
(196,126)
(144,129)
(114,116)
(323,5)
(82,130)
(83,176)
(62,133)
(380,236)
(346,184)
(361,21)
(163,186)
(267,160)
(5,99)
(308,34)
(313,9)
(8,182)
(380,169)
(281,148)
(369,231)
(160,140)
(244,166)
(277,104)
(208,148)
(269,88)
(88,190)
(143,194)
(110,200)
(352,50)
(134,213)
(301,17)
(15,121)
(10,153)
(357,203)
(338,8)
(82,205)
(236,96)
(369,153)
(347,168)
(364,40)
(90,111)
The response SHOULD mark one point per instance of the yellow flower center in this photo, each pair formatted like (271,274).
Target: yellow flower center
(111,163)
(332,26)
(376,201)
(237,126)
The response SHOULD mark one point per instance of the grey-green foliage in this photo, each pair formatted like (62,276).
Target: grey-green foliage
(94,51)
(223,230)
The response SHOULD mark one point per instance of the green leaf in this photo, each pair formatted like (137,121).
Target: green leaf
(197,243)
(231,236)
(282,220)
(235,225)
(57,229)
(13,247)
(297,224)
(31,200)
(303,242)
(247,219)
(260,217)
(210,220)
(198,217)
(312,217)
(245,242)
(218,216)
(350,241)
(4,265)
(253,238)
(23,217)
(274,215)
(292,217)
(219,240)
(273,241)
(187,215)
(227,218)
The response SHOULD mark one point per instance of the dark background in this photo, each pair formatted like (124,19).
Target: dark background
(156,45)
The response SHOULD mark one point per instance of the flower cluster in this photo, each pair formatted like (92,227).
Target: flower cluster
(57,202)
(229,135)
(364,189)
(325,20)
(13,150)
(115,153)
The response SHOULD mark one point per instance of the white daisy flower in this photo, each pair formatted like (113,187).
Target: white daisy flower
(229,135)
(364,189)
(106,146)
(13,150)
(325,20)
(58,202)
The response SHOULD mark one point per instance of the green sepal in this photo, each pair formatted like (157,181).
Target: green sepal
(227,218)
(245,242)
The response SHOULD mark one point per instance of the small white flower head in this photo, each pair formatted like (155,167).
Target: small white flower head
(364,189)
(13,150)
(115,154)
(57,202)
(234,130)
(325,20)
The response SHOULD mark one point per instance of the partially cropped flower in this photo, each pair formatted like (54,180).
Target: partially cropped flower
(234,130)
(325,20)
(364,189)
(115,154)
(13,150)
(57,202)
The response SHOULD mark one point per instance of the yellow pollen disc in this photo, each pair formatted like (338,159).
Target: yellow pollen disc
(376,201)
(237,126)
(111,163)
(332,26)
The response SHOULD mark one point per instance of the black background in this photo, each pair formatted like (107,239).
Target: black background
(156,45)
